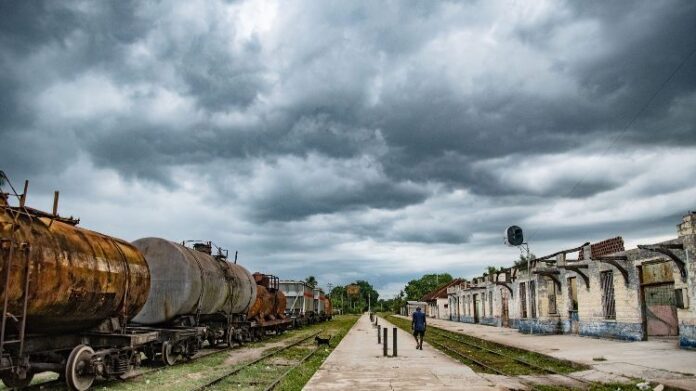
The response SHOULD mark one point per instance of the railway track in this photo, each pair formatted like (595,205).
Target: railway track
(266,356)
(504,356)
(488,363)
(59,383)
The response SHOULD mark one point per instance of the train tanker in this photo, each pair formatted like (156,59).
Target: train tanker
(88,305)
(67,294)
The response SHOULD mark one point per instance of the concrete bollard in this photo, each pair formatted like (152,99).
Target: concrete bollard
(385,345)
(394,353)
(379,334)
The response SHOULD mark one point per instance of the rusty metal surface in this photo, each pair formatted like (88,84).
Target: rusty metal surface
(657,272)
(270,302)
(262,308)
(78,278)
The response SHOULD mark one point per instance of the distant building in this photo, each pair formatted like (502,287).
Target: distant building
(410,307)
(599,290)
(438,303)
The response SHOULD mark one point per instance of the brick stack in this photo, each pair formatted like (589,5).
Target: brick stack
(605,247)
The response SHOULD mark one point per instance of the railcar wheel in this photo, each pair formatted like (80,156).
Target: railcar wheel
(78,372)
(212,341)
(169,357)
(12,380)
(229,337)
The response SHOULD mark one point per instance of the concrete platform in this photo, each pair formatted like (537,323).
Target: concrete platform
(357,364)
(659,360)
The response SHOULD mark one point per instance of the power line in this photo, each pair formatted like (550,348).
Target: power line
(631,122)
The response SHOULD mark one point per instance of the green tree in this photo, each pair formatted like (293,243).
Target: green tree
(311,280)
(415,289)
(522,262)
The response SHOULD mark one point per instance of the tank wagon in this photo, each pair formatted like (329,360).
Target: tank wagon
(268,311)
(87,305)
(194,296)
(67,295)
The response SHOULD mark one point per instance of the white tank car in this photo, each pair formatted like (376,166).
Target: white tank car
(185,281)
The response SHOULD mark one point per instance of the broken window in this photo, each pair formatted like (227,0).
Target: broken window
(551,294)
(523,299)
(532,299)
(606,280)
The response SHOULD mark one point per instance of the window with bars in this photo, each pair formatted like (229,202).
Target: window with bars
(523,299)
(490,304)
(551,294)
(606,281)
(532,299)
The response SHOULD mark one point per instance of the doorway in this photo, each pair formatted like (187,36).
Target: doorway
(504,311)
(477,302)
(659,307)
(573,301)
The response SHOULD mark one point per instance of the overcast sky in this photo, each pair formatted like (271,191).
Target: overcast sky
(355,140)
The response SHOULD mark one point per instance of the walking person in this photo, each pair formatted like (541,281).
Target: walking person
(418,327)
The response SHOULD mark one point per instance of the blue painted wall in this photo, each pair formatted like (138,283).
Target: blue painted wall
(534,326)
(614,330)
(687,336)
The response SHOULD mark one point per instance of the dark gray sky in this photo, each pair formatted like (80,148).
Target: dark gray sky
(374,140)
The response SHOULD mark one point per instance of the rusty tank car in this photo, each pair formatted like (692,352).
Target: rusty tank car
(269,309)
(67,294)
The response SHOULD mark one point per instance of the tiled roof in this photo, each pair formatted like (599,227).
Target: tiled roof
(441,291)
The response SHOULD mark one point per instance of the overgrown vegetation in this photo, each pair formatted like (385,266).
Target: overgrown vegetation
(189,375)
(505,364)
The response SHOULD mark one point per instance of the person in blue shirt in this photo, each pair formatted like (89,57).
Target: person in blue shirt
(418,327)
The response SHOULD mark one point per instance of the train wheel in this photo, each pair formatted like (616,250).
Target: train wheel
(78,372)
(212,341)
(229,337)
(12,380)
(169,357)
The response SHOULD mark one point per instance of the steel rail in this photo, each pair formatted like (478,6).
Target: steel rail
(469,358)
(441,332)
(516,359)
(286,373)
(246,365)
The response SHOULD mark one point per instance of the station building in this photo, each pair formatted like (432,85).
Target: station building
(599,290)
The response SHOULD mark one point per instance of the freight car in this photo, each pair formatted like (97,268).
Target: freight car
(84,304)
(194,296)
(67,294)
(268,312)
(300,301)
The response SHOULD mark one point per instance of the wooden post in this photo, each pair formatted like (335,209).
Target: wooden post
(56,194)
(394,343)
(379,334)
(385,345)
(23,198)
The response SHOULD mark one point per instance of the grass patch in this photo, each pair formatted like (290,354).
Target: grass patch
(188,375)
(299,376)
(505,364)
(591,387)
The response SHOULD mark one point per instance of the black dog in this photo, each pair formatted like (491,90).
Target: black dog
(322,341)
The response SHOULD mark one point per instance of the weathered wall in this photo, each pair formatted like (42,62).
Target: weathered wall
(687,316)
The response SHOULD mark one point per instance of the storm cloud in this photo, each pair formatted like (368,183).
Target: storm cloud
(355,139)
